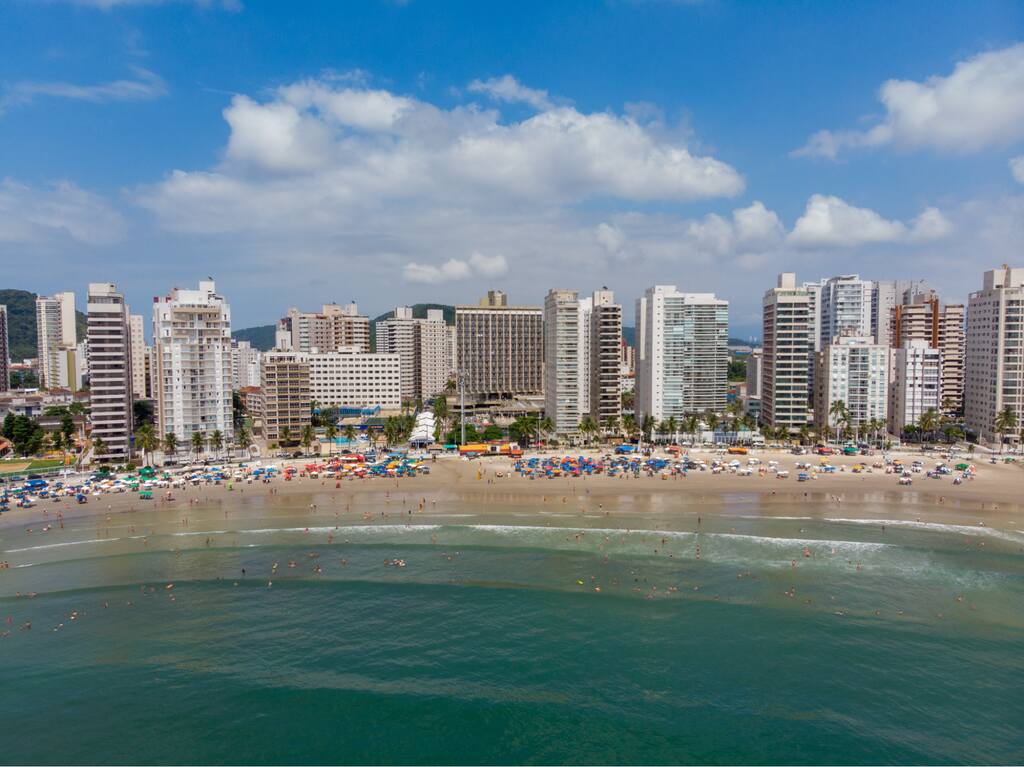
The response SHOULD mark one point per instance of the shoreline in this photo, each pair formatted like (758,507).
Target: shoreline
(994,499)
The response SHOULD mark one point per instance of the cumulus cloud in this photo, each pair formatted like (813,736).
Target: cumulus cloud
(145,87)
(455,269)
(508,89)
(980,104)
(318,153)
(611,238)
(830,221)
(1017,168)
(61,212)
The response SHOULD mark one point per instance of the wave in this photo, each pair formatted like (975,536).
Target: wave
(62,545)
(938,527)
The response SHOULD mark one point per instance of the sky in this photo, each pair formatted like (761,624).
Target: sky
(395,152)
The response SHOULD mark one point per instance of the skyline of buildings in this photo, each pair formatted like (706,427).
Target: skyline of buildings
(566,356)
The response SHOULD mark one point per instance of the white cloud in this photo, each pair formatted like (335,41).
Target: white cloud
(980,104)
(1017,168)
(757,225)
(145,87)
(508,89)
(612,238)
(455,269)
(63,211)
(830,221)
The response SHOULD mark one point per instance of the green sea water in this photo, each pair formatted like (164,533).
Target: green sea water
(533,636)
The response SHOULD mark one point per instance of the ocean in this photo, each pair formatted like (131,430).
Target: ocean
(533,635)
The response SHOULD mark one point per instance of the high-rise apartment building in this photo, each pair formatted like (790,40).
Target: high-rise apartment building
(753,373)
(916,383)
(245,365)
(886,295)
(5,352)
(994,371)
(192,339)
(328,330)
(845,308)
(923,317)
(499,349)
(285,395)
(55,335)
(855,371)
(787,354)
(351,378)
(110,372)
(139,354)
(424,346)
(604,360)
(561,360)
(682,353)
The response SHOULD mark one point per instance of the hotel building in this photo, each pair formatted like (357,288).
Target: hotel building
(350,378)
(424,346)
(285,394)
(499,349)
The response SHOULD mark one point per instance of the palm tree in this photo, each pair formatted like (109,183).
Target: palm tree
(588,427)
(308,436)
(284,436)
(805,435)
(146,441)
(441,412)
(629,426)
(216,441)
(647,427)
(171,444)
(545,426)
(691,425)
(243,439)
(198,441)
(841,417)
(673,428)
(611,424)
(1006,422)
(928,423)
(99,448)
(331,433)
(350,434)
(712,421)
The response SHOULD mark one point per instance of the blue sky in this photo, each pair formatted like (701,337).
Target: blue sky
(395,152)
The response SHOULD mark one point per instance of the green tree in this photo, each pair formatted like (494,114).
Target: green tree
(839,416)
(1006,423)
(308,437)
(99,448)
(492,433)
(350,434)
(198,442)
(330,433)
(146,441)
(171,443)
(216,441)
(243,439)
(928,423)
(284,436)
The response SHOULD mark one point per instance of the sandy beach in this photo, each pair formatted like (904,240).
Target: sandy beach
(489,487)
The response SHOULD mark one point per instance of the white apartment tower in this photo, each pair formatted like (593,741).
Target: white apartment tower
(916,383)
(245,364)
(110,371)
(55,335)
(923,317)
(994,371)
(139,353)
(424,346)
(561,360)
(192,338)
(350,378)
(854,370)
(845,308)
(682,353)
(886,295)
(787,354)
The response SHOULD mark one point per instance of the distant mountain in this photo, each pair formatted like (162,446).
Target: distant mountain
(21,323)
(261,337)
(419,311)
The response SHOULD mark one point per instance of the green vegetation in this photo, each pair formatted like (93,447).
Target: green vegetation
(737,369)
(21,322)
(25,434)
(261,337)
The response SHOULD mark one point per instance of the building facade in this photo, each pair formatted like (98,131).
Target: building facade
(55,334)
(845,308)
(424,346)
(139,355)
(994,370)
(561,360)
(855,371)
(5,352)
(916,383)
(285,395)
(351,378)
(245,365)
(682,353)
(328,330)
(499,349)
(923,317)
(110,371)
(886,295)
(192,351)
(786,355)
(604,360)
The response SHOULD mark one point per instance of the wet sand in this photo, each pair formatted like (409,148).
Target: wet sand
(995,498)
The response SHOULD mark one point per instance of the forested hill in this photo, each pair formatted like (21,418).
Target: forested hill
(21,322)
